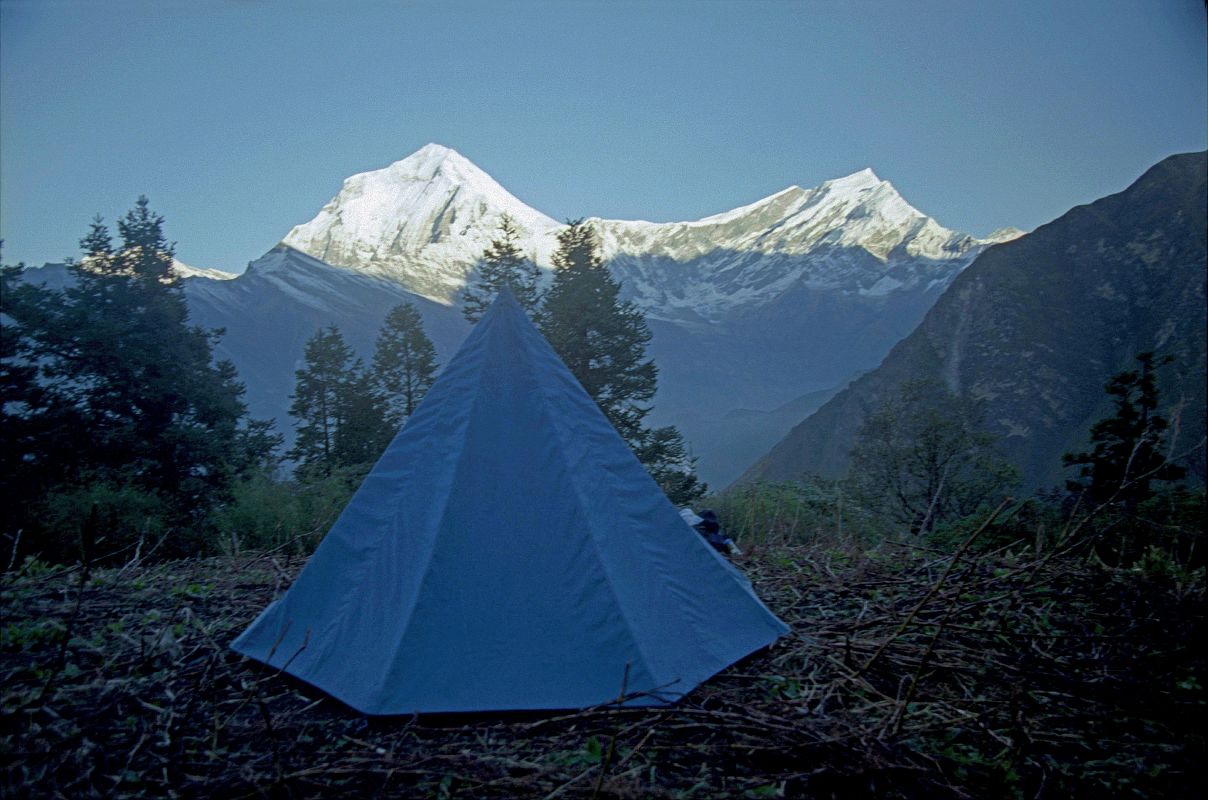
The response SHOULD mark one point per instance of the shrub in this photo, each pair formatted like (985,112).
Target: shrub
(266,513)
(793,512)
(101,522)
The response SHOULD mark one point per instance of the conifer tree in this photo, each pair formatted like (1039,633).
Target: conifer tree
(318,400)
(503,264)
(1128,453)
(362,433)
(158,409)
(25,404)
(404,364)
(665,455)
(602,340)
(127,393)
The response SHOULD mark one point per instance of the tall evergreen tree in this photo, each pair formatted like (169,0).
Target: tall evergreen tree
(319,400)
(1128,448)
(602,340)
(127,393)
(665,455)
(503,264)
(26,416)
(363,432)
(404,364)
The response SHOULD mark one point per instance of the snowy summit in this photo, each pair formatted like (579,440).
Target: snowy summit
(421,222)
(424,221)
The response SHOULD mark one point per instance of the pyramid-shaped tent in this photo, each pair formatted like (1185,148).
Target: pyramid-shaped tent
(508,552)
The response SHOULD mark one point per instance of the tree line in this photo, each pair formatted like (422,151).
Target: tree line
(119,431)
(924,470)
(346,412)
(923,458)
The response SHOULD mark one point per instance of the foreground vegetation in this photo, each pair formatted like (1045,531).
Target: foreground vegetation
(976,671)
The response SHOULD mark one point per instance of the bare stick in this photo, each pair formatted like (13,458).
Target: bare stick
(935,587)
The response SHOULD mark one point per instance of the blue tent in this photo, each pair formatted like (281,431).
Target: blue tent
(509,552)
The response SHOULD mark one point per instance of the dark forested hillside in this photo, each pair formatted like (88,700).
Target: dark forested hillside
(1034,328)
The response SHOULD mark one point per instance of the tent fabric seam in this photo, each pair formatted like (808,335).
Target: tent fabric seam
(413,600)
(582,502)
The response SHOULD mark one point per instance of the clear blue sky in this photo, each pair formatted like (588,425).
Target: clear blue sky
(240,119)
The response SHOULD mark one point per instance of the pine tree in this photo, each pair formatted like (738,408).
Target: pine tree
(159,410)
(1127,457)
(362,433)
(503,264)
(404,364)
(25,404)
(127,392)
(666,457)
(602,340)
(319,399)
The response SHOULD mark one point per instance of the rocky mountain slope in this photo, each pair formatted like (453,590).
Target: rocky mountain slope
(1035,327)
(272,309)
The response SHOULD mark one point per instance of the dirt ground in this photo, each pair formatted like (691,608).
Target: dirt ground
(908,673)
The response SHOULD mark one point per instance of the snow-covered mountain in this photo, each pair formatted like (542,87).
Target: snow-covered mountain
(852,235)
(751,308)
(424,221)
(421,222)
(183,270)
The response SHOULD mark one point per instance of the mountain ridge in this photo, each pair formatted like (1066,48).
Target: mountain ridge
(424,221)
(752,307)
(1035,328)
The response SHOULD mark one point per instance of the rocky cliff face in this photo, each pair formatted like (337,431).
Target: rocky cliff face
(1035,327)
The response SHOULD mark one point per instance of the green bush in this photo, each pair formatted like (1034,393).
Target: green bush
(266,513)
(1170,522)
(100,522)
(793,512)
(106,523)
(1036,525)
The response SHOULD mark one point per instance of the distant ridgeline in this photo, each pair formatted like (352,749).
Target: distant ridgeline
(1035,327)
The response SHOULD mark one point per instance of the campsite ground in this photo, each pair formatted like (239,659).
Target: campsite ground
(909,672)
